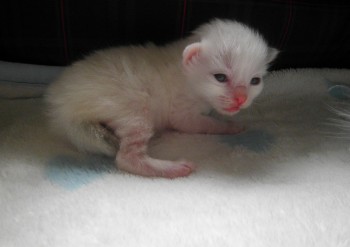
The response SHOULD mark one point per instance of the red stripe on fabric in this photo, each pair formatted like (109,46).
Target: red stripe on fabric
(64,33)
(184,15)
(287,26)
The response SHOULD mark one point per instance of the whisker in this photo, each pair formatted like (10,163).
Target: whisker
(340,122)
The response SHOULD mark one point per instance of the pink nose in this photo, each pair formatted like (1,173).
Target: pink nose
(240,95)
(241,99)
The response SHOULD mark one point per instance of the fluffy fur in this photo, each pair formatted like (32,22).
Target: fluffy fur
(113,101)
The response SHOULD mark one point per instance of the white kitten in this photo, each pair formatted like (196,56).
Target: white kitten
(113,101)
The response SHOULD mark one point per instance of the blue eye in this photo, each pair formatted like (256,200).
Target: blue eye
(255,81)
(220,77)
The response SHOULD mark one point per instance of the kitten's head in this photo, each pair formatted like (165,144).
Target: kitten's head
(225,67)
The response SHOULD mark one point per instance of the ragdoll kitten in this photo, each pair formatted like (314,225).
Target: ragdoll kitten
(113,101)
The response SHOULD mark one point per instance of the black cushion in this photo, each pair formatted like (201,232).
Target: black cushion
(57,32)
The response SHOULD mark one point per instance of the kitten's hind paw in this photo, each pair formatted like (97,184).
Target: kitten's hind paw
(178,169)
(149,167)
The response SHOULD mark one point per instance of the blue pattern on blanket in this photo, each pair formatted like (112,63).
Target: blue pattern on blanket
(72,172)
(254,140)
(340,91)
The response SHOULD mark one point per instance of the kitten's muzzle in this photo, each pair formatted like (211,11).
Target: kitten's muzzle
(239,97)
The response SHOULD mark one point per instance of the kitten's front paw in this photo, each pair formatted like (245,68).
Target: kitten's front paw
(235,129)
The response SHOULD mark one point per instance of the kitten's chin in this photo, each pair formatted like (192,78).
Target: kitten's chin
(232,110)
(229,111)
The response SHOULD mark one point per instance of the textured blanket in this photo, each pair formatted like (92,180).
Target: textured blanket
(283,182)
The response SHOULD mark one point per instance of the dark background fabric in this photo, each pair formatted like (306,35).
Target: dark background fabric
(57,32)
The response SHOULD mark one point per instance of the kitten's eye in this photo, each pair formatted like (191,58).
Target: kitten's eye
(255,81)
(220,77)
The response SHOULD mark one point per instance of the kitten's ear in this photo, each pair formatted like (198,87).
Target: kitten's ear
(190,53)
(271,54)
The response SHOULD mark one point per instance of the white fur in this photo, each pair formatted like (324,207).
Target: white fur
(137,90)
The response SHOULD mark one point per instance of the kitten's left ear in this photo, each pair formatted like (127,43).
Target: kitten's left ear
(271,54)
(190,53)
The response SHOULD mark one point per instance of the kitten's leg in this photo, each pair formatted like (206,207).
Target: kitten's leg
(132,155)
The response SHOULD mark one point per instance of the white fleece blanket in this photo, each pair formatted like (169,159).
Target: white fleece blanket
(284,182)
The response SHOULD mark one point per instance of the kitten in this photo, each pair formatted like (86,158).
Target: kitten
(113,101)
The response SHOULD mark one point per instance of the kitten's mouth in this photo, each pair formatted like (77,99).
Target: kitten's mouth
(232,105)
(232,109)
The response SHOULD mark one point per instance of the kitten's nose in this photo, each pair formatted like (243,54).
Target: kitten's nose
(240,95)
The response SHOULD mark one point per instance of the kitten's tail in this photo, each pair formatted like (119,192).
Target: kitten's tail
(91,137)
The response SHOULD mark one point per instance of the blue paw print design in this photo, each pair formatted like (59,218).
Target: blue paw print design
(72,172)
(255,140)
(339,90)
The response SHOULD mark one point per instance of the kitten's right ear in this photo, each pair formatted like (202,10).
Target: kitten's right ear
(271,54)
(190,53)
